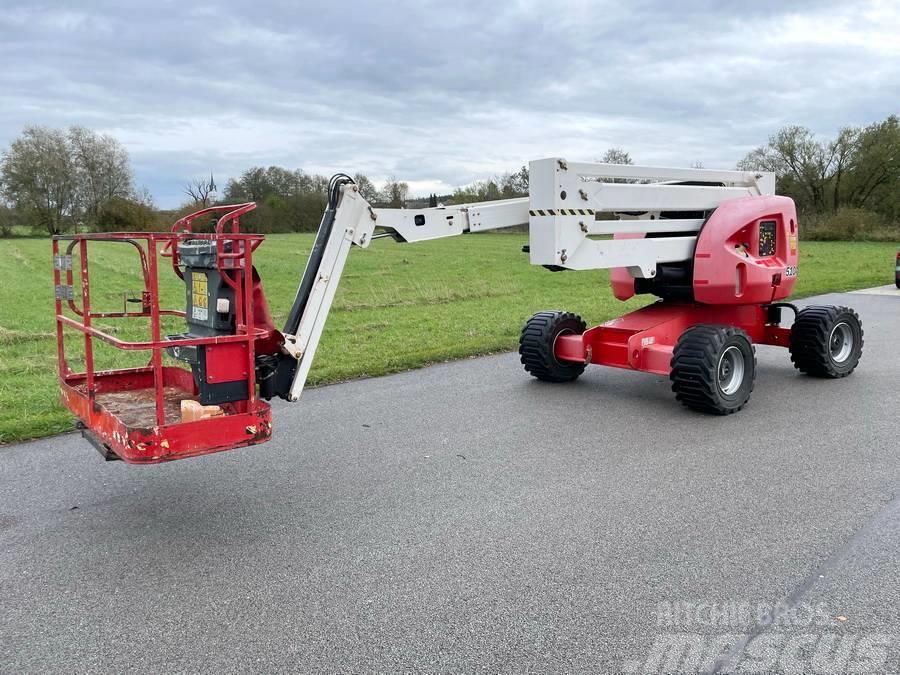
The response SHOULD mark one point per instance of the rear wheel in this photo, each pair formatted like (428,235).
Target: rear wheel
(826,341)
(713,369)
(536,345)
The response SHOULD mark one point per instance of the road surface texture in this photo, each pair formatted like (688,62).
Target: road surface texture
(465,517)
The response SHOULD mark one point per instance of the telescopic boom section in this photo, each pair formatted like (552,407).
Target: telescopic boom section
(572,210)
(350,220)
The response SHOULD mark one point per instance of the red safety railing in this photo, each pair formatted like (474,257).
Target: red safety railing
(87,393)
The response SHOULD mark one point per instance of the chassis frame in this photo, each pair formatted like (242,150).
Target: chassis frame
(645,338)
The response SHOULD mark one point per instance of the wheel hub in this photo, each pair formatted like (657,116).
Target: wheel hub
(731,370)
(841,342)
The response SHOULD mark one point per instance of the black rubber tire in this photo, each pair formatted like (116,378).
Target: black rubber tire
(696,361)
(536,346)
(812,335)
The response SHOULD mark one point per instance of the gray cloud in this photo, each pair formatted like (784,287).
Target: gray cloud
(441,93)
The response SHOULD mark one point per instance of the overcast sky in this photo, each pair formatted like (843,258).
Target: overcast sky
(440,94)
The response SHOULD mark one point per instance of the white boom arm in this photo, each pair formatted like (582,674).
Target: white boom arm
(562,209)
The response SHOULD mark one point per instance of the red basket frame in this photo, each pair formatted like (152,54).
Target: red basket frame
(246,422)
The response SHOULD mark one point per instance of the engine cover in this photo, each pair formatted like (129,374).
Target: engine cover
(747,252)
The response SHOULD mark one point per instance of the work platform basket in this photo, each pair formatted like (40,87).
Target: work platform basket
(135,413)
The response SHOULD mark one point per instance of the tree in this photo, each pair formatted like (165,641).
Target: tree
(201,190)
(55,178)
(797,157)
(367,189)
(283,182)
(287,200)
(873,169)
(39,177)
(125,214)
(616,156)
(394,193)
(479,191)
(246,188)
(259,183)
(505,186)
(103,170)
(8,218)
(809,170)
(514,184)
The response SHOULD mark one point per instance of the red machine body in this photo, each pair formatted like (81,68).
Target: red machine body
(745,258)
(746,253)
(134,413)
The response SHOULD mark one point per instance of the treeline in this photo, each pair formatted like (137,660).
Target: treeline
(845,188)
(60,180)
(54,181)
(293,200)
(505,186)
(515,184)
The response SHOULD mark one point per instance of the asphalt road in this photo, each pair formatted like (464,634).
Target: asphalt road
(466,518)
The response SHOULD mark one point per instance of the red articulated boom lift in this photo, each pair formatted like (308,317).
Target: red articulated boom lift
(717,248)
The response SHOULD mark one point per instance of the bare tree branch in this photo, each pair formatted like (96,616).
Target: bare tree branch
(201,190)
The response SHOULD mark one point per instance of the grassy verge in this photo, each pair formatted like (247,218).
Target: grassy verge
(399,306)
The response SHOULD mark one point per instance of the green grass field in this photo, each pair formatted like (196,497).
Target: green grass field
(398,307)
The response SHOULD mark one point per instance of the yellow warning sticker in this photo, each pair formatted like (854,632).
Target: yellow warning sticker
(199,296)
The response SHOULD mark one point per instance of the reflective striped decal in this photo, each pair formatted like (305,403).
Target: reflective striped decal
(561,212)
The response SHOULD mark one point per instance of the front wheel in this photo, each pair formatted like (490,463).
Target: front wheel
(713,369)
(537,344)
(826,341)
